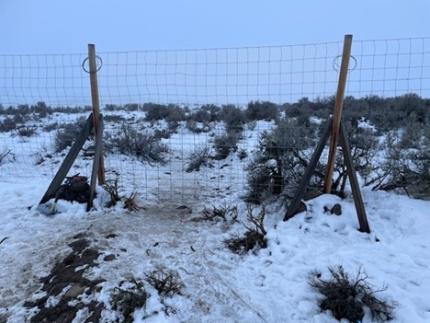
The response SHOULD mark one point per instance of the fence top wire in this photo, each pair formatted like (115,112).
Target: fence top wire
(236,75)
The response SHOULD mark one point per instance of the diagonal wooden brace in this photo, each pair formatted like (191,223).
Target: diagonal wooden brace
(308,173)
(355,188)
(68,161)
(97,161)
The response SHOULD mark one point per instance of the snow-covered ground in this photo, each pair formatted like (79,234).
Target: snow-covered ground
(269,285)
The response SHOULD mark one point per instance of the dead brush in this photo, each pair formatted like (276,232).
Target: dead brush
(254,236)
(166,282)
(226,213)
(130,203)
(111,187)
(346,297)
(127,300)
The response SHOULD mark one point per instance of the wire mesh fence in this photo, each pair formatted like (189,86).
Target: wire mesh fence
(190,122)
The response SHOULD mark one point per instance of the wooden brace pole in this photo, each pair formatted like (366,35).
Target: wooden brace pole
(338,106)
(68,161)
(96,104)
(310,169)
(355,188)
(96,163)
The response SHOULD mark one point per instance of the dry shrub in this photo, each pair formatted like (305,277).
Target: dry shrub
(226,143)
(226,213)
(127,300)
(254,236)
(111,186)
(346,297)
(68,133)
(26,131)
(198,158)
(144,145)
(166,282)
(130,203)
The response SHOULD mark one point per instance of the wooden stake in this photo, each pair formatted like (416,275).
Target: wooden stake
(96,104)
(96,163)
(338,106)
(355,188)
(308,173)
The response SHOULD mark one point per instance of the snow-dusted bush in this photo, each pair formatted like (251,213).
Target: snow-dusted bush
(404,169)
(8,124)
(198,158)
(254,236)
(155,112)
(166,282)
(234,118)
(198,127)
(144,145)
(226,143)
(50,126)
(129,297)
(364,146)
(26,131)
(263,110)
(284,153)
(280,160)
(113,118)
(347,297)
(206,114)
(68,133)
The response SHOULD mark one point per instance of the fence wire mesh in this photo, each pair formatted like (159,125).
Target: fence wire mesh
(190,122)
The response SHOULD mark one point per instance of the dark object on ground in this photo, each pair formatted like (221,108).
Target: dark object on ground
(75,189)
(336,209)
(346,297)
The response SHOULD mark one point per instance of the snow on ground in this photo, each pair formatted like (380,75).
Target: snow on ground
(269,285)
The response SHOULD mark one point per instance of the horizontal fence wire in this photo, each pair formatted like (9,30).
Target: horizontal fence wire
(132,82)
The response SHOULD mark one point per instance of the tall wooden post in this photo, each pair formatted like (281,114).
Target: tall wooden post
(95,103)
(338,106)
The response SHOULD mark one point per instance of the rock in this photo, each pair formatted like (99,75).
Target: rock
(336,209)
(74,291)
(109,258)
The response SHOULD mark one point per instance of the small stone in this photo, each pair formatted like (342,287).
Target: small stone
(336,209)
(109,258)
(74,291)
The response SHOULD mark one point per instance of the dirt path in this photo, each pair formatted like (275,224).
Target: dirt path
(159,236)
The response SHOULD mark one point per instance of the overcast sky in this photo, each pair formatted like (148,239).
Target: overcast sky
(48,26)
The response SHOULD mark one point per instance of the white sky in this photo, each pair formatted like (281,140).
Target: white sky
(48,26)
(278,74)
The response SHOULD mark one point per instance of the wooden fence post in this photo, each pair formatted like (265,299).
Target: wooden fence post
(338,106)
(96,105)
